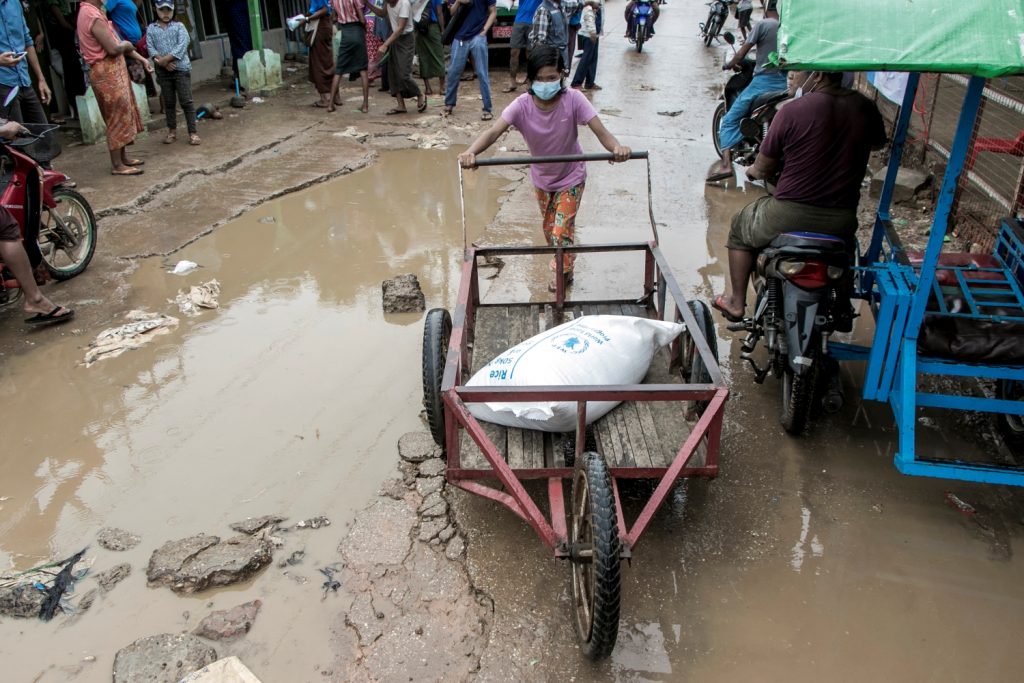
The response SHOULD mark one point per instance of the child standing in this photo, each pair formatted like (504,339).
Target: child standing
(168,43)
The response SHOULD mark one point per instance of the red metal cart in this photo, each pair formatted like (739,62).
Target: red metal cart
(666,428)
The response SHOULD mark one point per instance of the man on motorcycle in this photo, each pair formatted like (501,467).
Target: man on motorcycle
(12,255)
(767,78)
(655,13)
(824,139)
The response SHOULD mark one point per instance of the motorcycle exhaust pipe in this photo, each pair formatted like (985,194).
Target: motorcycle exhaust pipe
(834,398)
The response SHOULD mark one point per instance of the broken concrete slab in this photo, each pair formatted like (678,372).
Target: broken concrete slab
(118,540)
(227,670)
(165,658)
(22,602)
(380,535)
(430,528)
(251,525)
(113,576)
(909,181)
(429,485)
(230,623)
(402,294)
(433,467)
(417,447)
(455,548)
(199,562)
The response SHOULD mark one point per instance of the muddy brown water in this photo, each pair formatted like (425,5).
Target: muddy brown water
(288,399)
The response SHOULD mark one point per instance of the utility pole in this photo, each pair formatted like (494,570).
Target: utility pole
(256,25)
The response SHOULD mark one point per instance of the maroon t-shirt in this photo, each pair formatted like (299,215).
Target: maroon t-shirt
(823,141)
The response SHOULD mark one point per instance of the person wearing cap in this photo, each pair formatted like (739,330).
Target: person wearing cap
(105,54)
(168,41)
(767,78)
(18,101)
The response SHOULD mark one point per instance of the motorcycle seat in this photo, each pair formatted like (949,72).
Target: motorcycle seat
(768,98)
(816,241)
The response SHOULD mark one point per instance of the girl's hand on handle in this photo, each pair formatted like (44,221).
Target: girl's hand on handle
(621,153)
(467,160)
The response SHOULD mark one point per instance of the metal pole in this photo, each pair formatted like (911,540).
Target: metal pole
(256,25)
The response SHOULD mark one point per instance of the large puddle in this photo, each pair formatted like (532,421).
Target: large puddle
(289,399)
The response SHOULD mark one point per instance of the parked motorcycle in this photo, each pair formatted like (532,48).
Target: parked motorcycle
(718,11)
(640,25)
(803,282)
(58,226)
(754,127)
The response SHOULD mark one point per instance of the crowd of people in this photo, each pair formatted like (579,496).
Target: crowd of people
(378,39)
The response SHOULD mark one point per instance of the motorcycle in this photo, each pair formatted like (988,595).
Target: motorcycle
(640,24)
(803,282)
(753,127)
(58,226)
(718,11)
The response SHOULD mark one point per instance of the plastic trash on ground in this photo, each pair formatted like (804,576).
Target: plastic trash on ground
(140,329)
(590,350)
(182,267)
(198,297)
(227,670)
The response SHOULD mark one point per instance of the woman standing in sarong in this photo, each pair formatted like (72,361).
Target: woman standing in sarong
(105,55)
(428,45)
(321,50)
(398,50)
(352,57)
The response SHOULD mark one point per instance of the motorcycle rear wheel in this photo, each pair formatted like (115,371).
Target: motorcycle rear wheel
(716,124)
(798,397)
(68,229)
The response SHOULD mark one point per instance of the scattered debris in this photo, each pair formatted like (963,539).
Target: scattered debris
(140,329)
(643,87)
(957,503)
(436,141)
(675,112)
(201,296)
(251,525)
(402,294)
(116,539)
(313,523)
(63,582)
(293,559)
(111,577)
(229,624)
(331,584)
(354,133)
(183,267)
(268,220)
(227,670)
(198,562)
(418,447)
(166,658)
(257,100)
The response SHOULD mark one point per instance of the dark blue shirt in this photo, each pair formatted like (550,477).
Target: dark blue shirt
(14,37)
(475,20)
(527,8)
(124,14)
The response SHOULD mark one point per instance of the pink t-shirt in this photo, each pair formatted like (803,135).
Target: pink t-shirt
(92,51)
(551,133)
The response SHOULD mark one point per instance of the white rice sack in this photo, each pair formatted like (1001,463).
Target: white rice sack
(590,350)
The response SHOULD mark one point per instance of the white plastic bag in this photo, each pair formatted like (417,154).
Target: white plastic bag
(590,350)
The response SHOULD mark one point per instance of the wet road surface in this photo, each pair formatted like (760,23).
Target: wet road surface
(807,559)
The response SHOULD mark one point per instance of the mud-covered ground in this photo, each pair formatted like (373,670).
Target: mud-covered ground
(806,559)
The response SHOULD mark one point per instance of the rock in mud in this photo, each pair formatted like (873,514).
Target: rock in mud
(432,468)
(230,623)
(22,601)
(430,529)
(394,489)
(111,577)
(166,658)
(417,447)
(455,548)
(402,294)
(199,562)
(433,506)
(446,533)
(313,523)
(117,539)
(428,485)
(254,524)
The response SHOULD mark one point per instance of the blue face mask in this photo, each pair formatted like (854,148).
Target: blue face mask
(547,90)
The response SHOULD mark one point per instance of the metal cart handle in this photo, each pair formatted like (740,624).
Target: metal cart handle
(562,159)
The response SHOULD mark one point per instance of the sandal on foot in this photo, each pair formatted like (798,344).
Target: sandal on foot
(718,176)
(421,106)
(135,162)
(393,112)
(719,306)
(171,137)
(486,116)
(193,139)
(128,171)
(51,317)
(509,88)
(447,111)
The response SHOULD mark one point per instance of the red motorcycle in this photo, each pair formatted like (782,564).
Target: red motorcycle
(58,227)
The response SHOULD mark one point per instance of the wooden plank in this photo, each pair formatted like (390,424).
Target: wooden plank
(658,453)
(491,340)
(518,324)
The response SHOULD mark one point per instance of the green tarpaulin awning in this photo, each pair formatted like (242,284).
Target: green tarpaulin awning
(976,37)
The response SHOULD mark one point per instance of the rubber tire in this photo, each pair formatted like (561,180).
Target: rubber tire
(437,330)
(716,123)
(694,369)
(713,28)
(606,561)
(91,230)
(1011,427)
(641,36)
(797,398)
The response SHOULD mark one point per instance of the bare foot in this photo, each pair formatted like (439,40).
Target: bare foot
(729,307)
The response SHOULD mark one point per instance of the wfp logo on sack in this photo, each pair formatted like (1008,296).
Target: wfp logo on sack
(570,343)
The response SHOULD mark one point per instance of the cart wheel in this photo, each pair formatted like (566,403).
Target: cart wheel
(1011,427)
(694,369)
(437,330)
(569,446)
(594,554)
